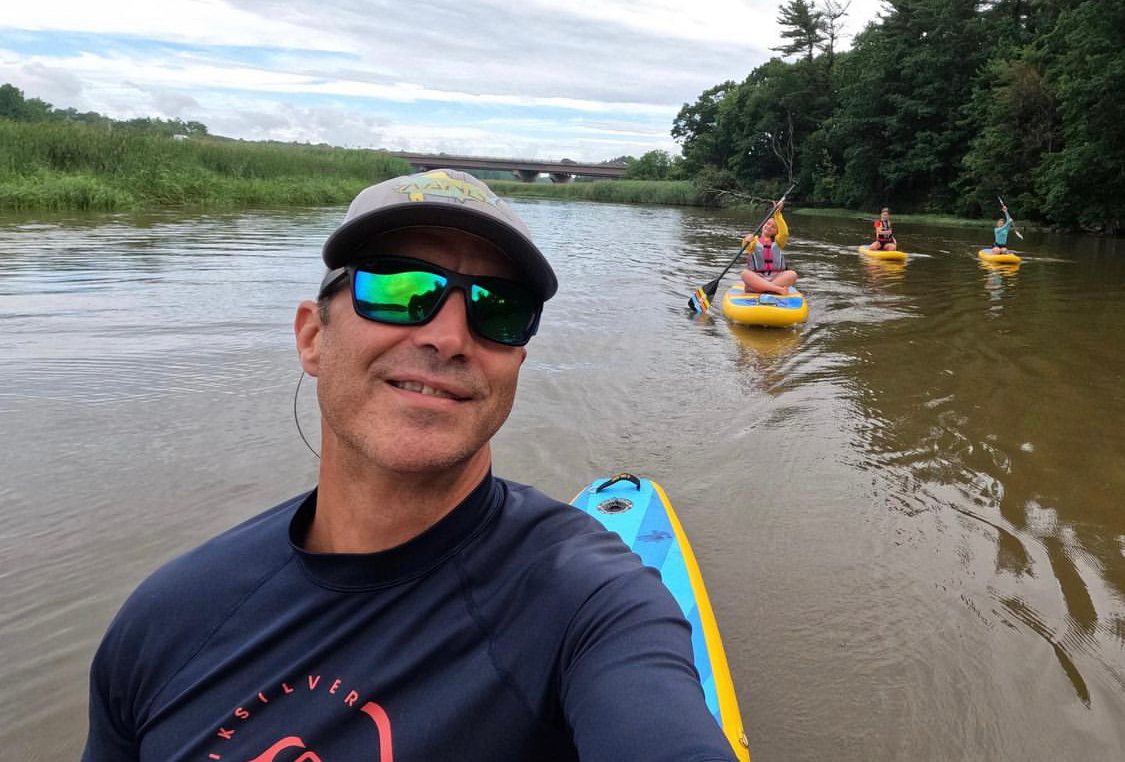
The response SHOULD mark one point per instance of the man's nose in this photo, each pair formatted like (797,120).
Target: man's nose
(448,331)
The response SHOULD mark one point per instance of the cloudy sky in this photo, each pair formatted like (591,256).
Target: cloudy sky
(587,80)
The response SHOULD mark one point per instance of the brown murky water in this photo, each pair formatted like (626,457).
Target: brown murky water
(908,510)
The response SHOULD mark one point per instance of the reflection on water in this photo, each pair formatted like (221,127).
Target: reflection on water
(907,508)
(999,279)
(770,343)
(883,271)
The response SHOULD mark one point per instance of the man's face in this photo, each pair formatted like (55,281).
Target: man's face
(412,398)
(884,216)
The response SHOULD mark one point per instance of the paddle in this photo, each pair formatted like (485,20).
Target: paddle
(700,301)
(1005,207)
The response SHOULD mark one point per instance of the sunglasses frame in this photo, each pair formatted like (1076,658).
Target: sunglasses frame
(453,280)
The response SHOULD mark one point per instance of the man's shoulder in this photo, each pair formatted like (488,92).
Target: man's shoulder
(544,535)
(193,586)
(540,520)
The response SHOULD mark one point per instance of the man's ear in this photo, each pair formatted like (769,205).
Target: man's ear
(307,329)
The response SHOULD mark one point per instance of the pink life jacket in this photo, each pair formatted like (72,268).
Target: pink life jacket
(766,257)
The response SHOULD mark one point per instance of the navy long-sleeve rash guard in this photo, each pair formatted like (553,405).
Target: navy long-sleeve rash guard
(513,629)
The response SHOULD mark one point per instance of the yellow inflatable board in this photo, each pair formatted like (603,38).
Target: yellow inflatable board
(988,256)
(896,254)
(764,309)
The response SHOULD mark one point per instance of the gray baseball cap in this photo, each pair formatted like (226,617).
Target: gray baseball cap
(443,198)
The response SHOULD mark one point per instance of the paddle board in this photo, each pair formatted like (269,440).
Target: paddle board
(639,511)
(1009,257)
(764,309)
(895,254)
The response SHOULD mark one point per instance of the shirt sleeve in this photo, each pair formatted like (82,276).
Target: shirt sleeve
(782,236)
(629,689)
(108,738)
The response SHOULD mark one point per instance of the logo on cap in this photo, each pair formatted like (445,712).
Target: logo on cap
(441,185)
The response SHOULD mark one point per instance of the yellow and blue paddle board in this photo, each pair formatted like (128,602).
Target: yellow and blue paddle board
(775,310)
(639,512)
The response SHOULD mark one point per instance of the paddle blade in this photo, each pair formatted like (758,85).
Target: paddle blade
(699,301)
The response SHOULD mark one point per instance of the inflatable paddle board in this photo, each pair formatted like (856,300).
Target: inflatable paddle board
(895,254)
(639,512)
(988,256)
(764,309)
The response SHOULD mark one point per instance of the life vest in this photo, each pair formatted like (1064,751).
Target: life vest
(766,257)
(883,230)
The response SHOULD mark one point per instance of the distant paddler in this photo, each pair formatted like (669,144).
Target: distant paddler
(884,233)
(765,271)
(1000,232)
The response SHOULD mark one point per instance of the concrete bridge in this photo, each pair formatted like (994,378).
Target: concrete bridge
(525,169)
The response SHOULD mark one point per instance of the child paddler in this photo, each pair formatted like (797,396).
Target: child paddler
(884,233)
(765,271)
(1000,233)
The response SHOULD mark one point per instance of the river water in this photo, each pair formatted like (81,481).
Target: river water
(908,510)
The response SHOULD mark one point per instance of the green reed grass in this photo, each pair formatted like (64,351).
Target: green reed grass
(79,166)
(676,192)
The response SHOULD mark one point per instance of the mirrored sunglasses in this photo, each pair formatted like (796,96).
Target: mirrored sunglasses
(404,291)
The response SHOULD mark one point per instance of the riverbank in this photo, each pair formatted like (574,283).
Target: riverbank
(684,193)
(667,192)
(69,166)
(74,166)
(939,220)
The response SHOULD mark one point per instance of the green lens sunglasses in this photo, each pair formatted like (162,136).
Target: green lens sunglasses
(404,291)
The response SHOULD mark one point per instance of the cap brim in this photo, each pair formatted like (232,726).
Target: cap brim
(348,243)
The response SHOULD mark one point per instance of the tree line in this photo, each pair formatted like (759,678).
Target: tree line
(939,106)
(18,108)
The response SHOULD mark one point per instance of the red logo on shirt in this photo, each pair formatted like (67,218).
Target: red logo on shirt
(291,748)
(270,754)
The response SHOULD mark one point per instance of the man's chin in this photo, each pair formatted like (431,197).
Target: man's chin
(431,460)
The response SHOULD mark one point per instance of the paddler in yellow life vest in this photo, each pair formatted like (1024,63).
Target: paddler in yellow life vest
(884,233)
(765,271)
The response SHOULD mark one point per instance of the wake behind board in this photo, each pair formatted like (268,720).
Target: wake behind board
(639,512)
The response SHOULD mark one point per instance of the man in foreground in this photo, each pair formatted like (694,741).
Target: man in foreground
(412,606)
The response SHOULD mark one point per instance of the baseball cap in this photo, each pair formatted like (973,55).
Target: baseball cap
(444,198)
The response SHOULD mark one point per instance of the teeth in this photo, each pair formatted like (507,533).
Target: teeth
(414,386)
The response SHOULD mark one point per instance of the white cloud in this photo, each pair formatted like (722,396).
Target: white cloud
(201,21)
(538,79)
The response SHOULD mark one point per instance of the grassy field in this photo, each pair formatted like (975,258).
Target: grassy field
(78,166)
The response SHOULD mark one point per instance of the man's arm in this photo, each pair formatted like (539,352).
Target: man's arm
(629,689)
(108,739)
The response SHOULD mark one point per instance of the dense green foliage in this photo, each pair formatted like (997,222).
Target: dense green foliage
(654,165)
(940,106)
(52,162)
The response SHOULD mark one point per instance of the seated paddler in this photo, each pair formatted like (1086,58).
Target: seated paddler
(766,272)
